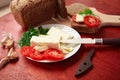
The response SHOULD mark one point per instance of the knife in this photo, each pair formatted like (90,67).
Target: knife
(86,64)
(105,41)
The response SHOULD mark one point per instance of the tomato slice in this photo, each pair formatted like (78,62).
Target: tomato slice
(53,54)
(29,51)
(74,17)
(50,54)
(26,50)
(37,55)
(91,21)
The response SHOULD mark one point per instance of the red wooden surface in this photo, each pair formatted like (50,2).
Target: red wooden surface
(106,61)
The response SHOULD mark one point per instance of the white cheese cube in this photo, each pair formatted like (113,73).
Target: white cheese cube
(58,32)
(41,48)
(79,18)
(49,41)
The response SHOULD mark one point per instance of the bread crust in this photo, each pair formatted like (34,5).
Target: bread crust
(82,28)
(75,8)
(61,8)
(30,13)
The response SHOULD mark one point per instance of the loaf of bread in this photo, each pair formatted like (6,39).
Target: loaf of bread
(30,13)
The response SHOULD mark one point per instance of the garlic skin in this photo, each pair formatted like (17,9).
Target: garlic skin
(7,41)
(3,62)
(12,54)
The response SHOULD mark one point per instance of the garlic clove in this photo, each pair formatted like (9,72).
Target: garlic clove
(12,54)
(3,62)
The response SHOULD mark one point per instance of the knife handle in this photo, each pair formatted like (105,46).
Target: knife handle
(111,41)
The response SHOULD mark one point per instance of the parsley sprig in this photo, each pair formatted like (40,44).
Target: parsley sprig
(25,38)
(86,12)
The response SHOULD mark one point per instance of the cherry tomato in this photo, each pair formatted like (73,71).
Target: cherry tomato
(26,50)
(53,54)
(37,55)
(91,21)
(74,17)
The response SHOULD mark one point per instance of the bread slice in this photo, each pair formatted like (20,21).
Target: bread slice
(30,13)
(82,28)
(75,8)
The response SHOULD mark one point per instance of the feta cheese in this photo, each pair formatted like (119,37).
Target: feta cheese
(52,40)
(79,18)
(66,48)
(41,48)
(58,32)
(45,40)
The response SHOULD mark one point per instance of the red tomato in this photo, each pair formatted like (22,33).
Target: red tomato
(29,51)
(26,50)
(37,55)
(74,18)
(91,21)
(53,54)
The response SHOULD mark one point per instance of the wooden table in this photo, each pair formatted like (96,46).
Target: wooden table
(106,61)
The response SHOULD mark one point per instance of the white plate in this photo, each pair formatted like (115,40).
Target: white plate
(66,29)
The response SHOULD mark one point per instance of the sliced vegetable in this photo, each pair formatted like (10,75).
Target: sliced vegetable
(29,51)
(92,21)
(53,54)
(50,54)
(37,55)
(74,17)
(26,50)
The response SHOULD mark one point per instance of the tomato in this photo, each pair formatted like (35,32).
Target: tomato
(26,50)
(29,51)
(50,54)
(37,55)
(53,54)
(91,21)
(74,17)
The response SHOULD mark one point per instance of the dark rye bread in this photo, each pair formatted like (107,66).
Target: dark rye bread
(30,13)
(82,28)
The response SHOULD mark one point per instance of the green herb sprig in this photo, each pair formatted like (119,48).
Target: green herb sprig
(43,30)
(86,12)
(25,38)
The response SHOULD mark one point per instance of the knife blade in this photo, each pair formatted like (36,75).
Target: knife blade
(79,41)
(86,64)
(104,41)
